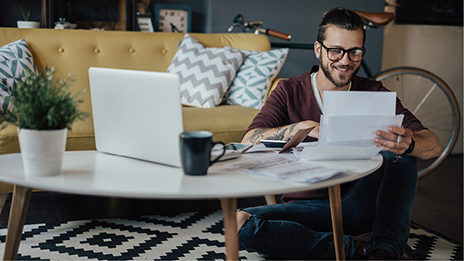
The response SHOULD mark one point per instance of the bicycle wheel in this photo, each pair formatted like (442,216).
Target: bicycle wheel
(431,100)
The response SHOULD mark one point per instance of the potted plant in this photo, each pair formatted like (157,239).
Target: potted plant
(26,22)
(44,110)
(65,14)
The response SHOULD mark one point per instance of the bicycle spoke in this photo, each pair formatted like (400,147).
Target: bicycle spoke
(415,86)
(424,99)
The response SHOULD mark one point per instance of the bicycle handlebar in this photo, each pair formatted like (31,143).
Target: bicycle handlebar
(371,20)
(239,21)
(275,33)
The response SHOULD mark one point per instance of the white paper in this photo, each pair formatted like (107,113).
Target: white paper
(359,127)
(261,148)
(349,122)
(284,167)
(359,103)
(338,152)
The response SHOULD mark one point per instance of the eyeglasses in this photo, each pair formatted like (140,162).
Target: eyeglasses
(336,54)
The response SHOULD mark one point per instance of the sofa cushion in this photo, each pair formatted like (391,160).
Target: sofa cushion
(15,60)
(228,123)
(80,137)
(251,84)
(205,73)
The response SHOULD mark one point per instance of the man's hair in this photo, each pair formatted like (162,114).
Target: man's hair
(342,18)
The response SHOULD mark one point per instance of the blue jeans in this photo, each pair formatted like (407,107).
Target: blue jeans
(379,203)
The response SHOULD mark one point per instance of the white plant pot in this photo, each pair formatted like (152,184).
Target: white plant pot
(28,24)
(42,151)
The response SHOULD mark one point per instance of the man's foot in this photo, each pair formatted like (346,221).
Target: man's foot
(379,254)
(242,217)
(408,254)
(360,252)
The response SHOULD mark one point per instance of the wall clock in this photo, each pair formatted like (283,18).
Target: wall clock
(173,18)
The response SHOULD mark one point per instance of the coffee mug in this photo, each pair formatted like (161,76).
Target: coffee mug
(195,151)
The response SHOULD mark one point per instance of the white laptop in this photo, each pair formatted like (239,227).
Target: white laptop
(137,114)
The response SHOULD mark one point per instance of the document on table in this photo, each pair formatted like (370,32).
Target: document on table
(339,152)
(284,167)
(261,148)
(349,122)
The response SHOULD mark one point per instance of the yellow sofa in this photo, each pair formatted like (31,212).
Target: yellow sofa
(75,51)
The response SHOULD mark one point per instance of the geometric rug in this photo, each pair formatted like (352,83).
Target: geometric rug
(185,236)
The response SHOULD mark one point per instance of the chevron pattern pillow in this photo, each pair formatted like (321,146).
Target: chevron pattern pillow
(204,73)
(15,60)
(254,77)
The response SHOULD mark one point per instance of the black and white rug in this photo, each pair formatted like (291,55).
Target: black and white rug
(186,236)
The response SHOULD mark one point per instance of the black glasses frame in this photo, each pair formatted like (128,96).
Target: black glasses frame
(327,49)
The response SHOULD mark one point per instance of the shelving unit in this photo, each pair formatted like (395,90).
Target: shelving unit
(127,16)
(47,14)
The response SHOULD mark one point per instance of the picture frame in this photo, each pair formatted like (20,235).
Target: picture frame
(145,23)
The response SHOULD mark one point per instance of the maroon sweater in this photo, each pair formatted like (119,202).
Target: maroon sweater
(293,101)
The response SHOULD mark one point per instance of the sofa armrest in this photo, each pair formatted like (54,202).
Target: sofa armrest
(273,86)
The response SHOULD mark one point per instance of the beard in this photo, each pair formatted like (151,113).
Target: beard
(345,79)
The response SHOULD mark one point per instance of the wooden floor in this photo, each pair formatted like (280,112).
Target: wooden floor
(438,206)
(439,200)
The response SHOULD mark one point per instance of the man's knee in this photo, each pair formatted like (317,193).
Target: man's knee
(242,217)
(406,165)
(392,158)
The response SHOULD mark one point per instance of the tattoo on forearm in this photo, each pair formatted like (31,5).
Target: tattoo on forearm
(292,127)
(257,135)
(281,133)
(290,130)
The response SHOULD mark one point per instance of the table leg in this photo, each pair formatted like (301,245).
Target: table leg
(337,221)
(229,210)
(18,211)
(270,199)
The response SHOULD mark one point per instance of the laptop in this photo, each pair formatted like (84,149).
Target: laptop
(137,114)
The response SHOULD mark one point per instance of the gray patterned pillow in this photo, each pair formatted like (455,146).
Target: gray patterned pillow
(204,73)
(15,60)
(250,86)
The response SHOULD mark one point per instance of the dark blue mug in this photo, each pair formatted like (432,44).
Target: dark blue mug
(195,152)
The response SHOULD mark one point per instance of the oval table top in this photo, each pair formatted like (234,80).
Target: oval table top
(97,173)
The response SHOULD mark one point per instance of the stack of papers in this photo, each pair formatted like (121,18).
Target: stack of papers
(284,167)
(349,122)
(347,132)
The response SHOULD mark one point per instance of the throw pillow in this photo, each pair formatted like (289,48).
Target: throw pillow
(204,73)
(254,77)
(15,60)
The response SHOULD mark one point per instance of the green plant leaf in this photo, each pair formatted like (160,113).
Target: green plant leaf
(44,102)
(26,16)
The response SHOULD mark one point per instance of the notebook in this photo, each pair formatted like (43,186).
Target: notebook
(137,114)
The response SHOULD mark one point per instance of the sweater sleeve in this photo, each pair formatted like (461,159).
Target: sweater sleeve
(274,112)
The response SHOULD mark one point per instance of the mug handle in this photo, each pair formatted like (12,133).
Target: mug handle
(222,154)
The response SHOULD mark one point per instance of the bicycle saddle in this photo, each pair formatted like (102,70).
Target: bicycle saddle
(381,18)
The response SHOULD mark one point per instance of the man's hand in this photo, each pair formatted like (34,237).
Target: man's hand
(396,140)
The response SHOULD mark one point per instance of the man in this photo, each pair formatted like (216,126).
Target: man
(379,203)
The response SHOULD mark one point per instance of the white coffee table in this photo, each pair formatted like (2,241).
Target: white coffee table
(95,173)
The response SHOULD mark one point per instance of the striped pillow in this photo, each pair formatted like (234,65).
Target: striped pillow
(15,60)
(204,73)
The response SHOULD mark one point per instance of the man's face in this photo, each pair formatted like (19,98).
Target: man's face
(340,72)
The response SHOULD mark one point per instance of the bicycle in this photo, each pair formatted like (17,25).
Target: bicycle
(418,89)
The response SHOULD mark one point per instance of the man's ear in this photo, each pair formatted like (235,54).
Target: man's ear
(317,49)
